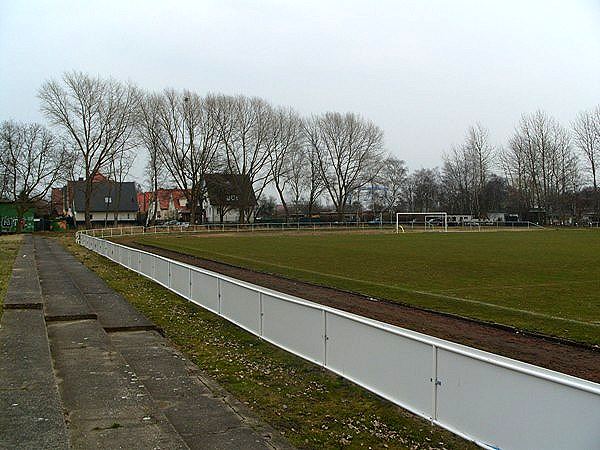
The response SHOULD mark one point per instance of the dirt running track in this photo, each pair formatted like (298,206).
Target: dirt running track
(570,358)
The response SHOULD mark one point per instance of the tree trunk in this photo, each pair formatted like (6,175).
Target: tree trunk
(340,213)
(88,198)
(20,208)
(116,222)
(200,199)
(156,206)
(284,204)
(193,204)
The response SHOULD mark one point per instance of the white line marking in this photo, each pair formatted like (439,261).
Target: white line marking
(403,289)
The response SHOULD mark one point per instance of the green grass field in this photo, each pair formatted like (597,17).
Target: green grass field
(544,281)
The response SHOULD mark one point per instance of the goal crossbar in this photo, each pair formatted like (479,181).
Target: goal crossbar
(441,214)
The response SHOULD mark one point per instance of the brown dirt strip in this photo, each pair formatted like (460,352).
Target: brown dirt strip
(574,359)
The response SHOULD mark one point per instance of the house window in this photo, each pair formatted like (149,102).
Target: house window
(182,202)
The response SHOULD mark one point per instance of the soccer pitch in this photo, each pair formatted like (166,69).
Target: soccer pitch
(544,281)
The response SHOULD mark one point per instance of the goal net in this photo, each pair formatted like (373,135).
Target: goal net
(427,221)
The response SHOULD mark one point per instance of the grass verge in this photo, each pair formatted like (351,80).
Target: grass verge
(9,245)
(310,406)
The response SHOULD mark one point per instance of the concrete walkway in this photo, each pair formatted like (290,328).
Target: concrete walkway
(81,368)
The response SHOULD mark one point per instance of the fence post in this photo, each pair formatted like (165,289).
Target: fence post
(434,383)
(219,295)
(260,326)
(325,338)
(169,274)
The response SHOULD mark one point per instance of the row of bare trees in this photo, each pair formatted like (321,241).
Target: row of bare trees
(103,123)
(31,161)
(100,125)
(189,136)
(545,166)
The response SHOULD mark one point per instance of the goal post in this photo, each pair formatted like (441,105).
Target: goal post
(427,219)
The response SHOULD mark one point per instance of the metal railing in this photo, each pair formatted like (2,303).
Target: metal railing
(497,402)
(296,226)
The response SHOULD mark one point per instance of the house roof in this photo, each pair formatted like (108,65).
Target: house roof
(125,193)
(145,199)
(230,190)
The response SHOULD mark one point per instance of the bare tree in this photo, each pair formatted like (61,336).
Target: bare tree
(245,126)
(97,117)
(540,163)
(149,135)
(458,176)
(466,172)
(120,167)
(4,181)
(392,179)
(188,143)
(348,150)
(31,160)
(296,176)
(305,183)
(586,136)
(423,191)
(479,152)
(283,148)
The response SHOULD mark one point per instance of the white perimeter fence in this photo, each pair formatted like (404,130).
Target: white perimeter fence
(495,401)
(301,226)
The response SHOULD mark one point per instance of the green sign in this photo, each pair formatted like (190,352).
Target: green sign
(9,219)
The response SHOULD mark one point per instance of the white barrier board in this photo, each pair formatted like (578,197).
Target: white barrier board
(393,366)
(513,410)
(295,327)
(205,291)
(161,271)
(241,305)
(180,280)
(147,264)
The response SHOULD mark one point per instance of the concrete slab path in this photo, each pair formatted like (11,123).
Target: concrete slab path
(31,413)
(87,370)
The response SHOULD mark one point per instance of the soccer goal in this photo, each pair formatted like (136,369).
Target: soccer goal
(427,220)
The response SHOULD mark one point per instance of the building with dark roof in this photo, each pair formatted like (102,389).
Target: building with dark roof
(226,195)
(109,200)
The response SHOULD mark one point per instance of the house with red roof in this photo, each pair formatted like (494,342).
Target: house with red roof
(225,195)
(170,204)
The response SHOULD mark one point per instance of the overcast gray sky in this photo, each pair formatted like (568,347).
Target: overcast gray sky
(422,70)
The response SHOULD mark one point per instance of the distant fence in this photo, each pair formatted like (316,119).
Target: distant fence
(497,402)
(296,226)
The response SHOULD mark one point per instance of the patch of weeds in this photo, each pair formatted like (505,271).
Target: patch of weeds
(9,245)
